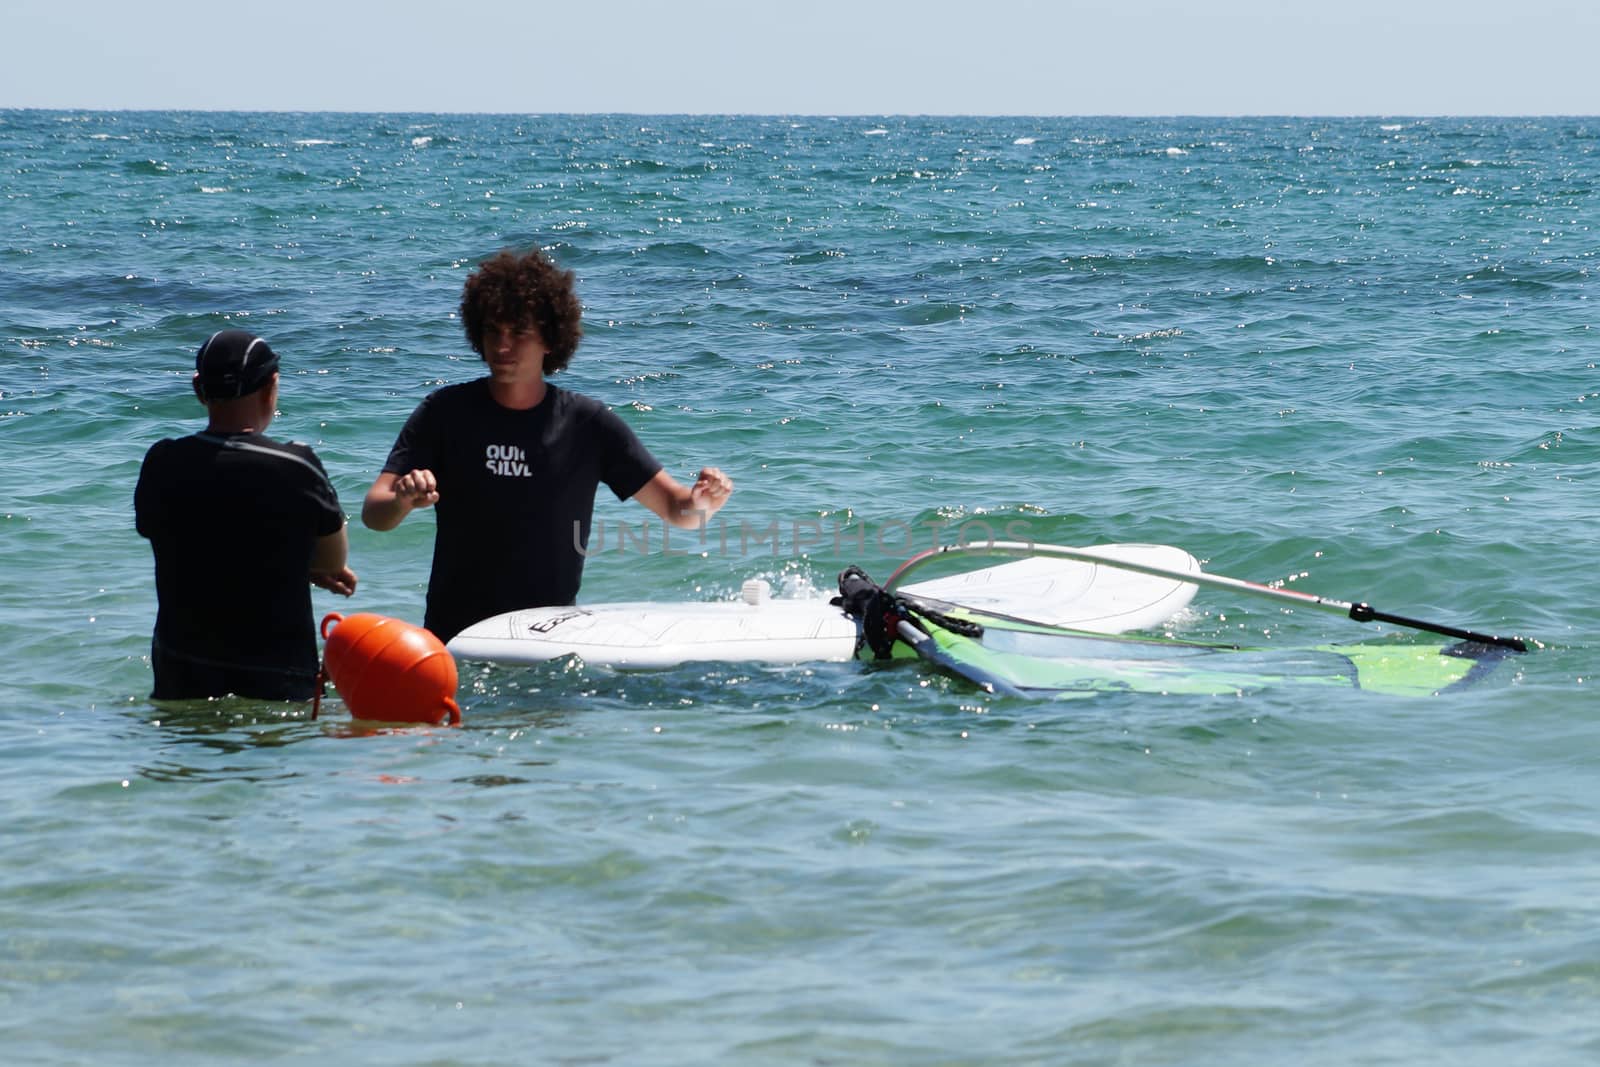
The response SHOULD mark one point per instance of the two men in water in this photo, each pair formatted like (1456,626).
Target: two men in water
(509,462)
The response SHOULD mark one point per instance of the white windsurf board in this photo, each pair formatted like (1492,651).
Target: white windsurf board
(1061,592)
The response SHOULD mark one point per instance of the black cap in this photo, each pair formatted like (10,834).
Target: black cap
(233,363)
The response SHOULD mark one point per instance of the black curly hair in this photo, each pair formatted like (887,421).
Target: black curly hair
(523,290)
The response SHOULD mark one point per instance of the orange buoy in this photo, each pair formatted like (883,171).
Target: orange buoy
(390,671)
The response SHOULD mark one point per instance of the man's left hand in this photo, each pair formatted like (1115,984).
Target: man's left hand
(341,581)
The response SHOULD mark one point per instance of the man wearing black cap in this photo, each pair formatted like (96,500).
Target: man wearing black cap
(241,526)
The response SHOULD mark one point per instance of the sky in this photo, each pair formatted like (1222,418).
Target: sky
(808,57)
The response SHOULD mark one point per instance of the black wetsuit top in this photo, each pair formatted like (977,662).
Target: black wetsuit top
(233,520)
(516,495)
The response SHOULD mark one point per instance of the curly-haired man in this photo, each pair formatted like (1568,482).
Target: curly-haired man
(511,463)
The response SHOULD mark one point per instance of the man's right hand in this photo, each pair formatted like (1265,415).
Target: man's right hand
(417,488)
(393,496)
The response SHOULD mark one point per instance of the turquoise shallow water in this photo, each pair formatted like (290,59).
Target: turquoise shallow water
(1356,354)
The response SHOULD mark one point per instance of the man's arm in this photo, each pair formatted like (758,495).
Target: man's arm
(687,507)
(328,559)
(393,496)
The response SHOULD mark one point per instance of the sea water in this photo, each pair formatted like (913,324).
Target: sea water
(1355,357)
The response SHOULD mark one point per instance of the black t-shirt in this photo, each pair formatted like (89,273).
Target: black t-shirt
(516,495)
(233,520)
